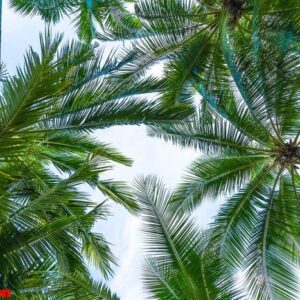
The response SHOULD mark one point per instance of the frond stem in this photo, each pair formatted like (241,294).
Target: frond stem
(265,233)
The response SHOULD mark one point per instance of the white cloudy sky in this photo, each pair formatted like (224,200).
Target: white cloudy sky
(151,156)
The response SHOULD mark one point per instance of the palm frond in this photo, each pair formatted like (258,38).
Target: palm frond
(210,137)
(65,285)
(176,266)
(209,178)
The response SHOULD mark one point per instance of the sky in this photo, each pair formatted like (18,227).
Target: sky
(151,156)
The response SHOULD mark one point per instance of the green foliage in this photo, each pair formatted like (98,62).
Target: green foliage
(187,36)
(64,286)
(46,113)
(251,157)
(179,265)
(241,59)
(89,16)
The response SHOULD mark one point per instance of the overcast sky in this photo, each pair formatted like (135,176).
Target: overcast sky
(151,156)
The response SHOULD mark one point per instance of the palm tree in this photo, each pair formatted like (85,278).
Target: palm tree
(46,112)
(88,15)
(251,156)
(186,35)
(178,265)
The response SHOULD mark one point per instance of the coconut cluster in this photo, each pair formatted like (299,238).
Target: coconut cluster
(236,9)
(287,154)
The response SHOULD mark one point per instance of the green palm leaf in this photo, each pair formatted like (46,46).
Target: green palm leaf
(177,265)
(59,285)
(212,177)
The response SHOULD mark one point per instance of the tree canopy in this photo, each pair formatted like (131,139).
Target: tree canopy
(229,88)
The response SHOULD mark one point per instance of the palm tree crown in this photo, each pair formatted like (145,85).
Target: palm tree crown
(46,111)
(251,146)
(187,36)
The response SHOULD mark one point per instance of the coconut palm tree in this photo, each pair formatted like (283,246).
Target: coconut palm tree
(178,265)
(88,15)
(47,109)
(251,156)
(186,35)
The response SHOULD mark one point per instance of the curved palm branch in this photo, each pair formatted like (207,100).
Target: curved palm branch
(89,16)
(251,156)
(178,263)
(64,286)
